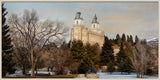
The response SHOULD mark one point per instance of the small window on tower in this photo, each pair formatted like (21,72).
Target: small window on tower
(77,22)
(94,26)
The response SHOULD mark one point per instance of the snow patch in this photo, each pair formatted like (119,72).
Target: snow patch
(43,72)
(119,75)
(153,39)
(101,75)
(17,73)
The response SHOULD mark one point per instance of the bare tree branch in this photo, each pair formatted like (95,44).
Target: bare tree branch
(36,34)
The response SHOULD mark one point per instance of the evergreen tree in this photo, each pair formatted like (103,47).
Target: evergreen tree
(131,40)
(128,39)
(110,67)
(7,63)
(117,36)
(121,58)
(93,55)
(121,55)
(77,51)
(112,41)
(107,52)
(123,37)
(87,56)
(136,39)
(118,40)
(85,66)
(124,58)
(121,67)
(69,44)
(128,66)
(128,49)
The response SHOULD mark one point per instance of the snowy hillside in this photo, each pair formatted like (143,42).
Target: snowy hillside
(153,42)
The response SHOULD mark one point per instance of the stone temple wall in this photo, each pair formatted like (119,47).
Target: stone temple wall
(96,38)
(82,33)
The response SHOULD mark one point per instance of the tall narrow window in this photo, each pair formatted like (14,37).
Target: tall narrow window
(77,22)
(94,26)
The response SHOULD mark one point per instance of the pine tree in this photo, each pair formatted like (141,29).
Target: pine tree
(121,67)
(136,39)
(69,44)
(131,40)
(85,66)
(117,36)
(124,58)
(123,37)
(121,55)
(87,56)
(128,39)
(118,40)
(107,52)
(110,67)
(7,64)
(93,55)
(128,66)
(77,51)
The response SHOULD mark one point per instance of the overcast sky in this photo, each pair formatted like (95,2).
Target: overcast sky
(133,18)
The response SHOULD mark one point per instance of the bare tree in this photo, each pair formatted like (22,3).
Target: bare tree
(36,33)
(153,60)
(58,57)
(20,51)
(140,59)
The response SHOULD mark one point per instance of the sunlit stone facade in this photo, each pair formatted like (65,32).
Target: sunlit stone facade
(92,34)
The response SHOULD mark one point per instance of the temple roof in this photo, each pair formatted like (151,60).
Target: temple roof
(95,19)
(78,15)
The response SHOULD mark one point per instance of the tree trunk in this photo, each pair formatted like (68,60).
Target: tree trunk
(36,70)
(17,67)
(48,70)
(141,75)
(24,69)
(33,64)
(138,76)
(32,70)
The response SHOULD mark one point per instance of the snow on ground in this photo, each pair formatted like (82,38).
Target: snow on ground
(17,73)
(43,72)
(102,75)
(118,75)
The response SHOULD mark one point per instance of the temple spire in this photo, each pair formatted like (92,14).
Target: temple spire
(95,23)
(78,19)
(95,19)
(78,15)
